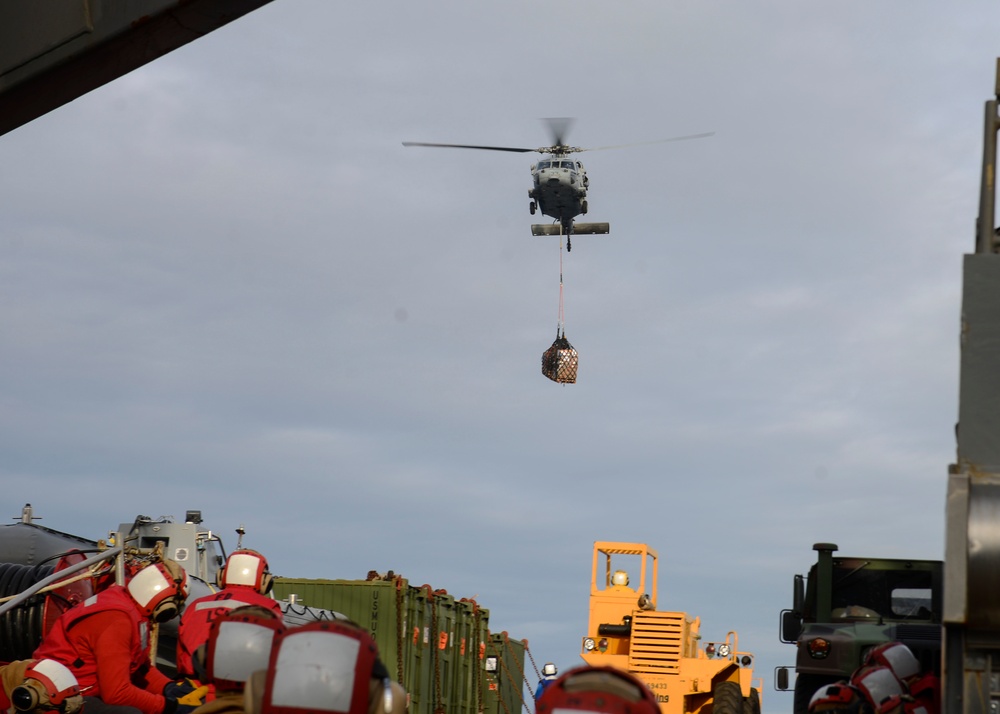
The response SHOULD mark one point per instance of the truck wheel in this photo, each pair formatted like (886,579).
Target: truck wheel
(751,704)
(805,686)
(727,698)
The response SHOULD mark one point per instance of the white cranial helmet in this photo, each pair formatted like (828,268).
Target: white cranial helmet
(160,590)
(47,685)
(897,657)
(248,568)
(239,644)
(321,667)
(879,686)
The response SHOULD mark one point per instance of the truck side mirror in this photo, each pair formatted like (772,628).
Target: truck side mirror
(781,679)
(791,626)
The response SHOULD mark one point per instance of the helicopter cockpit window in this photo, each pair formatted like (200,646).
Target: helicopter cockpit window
(544,165)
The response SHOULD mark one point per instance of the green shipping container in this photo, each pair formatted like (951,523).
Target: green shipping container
(505,676)
(434,645)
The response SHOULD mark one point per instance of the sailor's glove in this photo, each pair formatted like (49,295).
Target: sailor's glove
(184,696)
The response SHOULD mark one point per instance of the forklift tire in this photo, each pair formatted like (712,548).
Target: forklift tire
(727,698)
(751,704)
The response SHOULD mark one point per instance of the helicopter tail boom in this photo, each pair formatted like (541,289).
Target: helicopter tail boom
(554,229)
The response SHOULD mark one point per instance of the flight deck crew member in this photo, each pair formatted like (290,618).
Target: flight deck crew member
(37,686)
(104,641)
(549,673)
(589,690)
(244,580)
(328,666)
(620,583)
(239,644)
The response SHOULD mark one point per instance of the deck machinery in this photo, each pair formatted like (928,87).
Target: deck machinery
(662,648)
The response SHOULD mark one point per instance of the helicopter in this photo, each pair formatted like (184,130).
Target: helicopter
(560,182)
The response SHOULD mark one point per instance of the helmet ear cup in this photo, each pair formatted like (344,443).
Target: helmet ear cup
(27,696)
(166,610)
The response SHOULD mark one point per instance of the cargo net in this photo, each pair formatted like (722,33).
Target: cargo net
(559,361)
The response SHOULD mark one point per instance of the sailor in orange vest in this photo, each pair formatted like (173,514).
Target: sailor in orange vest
(104,641)
(244,580)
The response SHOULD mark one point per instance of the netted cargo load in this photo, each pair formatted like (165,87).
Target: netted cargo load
(559,361)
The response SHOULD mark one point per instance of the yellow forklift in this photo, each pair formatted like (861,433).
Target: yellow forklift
(663,649)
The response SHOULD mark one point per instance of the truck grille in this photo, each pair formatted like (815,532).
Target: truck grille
(657,642)
(925,643)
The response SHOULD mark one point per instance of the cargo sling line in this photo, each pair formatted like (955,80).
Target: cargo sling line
(559,362)
(561,320)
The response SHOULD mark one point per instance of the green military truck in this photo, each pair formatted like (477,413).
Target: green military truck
(846,606)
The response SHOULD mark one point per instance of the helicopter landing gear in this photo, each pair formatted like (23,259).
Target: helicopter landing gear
(532,206)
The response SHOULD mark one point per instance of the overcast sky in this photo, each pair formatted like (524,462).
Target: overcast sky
(227,286)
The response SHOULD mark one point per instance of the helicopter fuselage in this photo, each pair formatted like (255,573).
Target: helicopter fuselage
(560,188)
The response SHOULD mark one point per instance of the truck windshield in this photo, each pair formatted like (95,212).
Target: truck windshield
(894,594)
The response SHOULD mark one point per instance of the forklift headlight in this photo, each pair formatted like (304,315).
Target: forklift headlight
(724,650)
(589,644)
(603,644)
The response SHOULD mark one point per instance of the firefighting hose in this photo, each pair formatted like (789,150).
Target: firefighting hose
(58,576)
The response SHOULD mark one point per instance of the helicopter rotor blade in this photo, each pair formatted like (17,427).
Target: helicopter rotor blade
(558,128)
(659,141)
(470,146)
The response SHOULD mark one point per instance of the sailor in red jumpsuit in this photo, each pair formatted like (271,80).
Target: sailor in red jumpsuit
(239,644)
(244,580)
(105,641)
